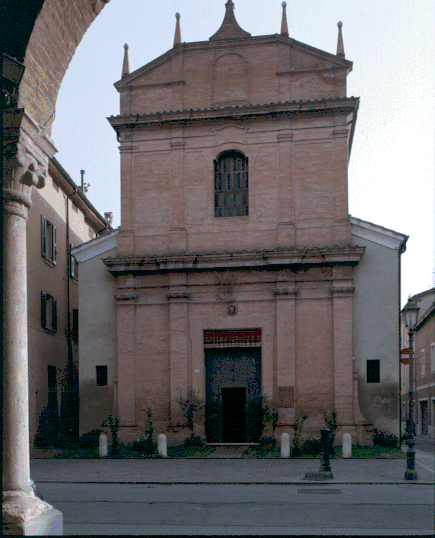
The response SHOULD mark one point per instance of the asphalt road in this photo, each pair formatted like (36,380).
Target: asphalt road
(243,509)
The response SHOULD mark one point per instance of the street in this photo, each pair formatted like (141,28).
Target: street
(243,509)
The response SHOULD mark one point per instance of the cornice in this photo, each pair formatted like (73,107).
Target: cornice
(265,259)
(335,105)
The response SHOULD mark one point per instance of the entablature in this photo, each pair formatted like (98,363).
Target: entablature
(264,259)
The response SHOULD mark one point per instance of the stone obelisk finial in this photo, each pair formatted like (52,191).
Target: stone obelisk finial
(284,26)
(177,37)
(340,46)
(126,63)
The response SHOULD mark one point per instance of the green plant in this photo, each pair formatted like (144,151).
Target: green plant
(192,406)
(212,421)
(89,439)
(48,429)
(113,424)
(193,441)
(297,428)
(254,419)
(270,413)
(267,442)
(385,439)
(331,423)
(146,444)
(311,447)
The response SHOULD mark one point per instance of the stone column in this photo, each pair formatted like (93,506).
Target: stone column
(26,152)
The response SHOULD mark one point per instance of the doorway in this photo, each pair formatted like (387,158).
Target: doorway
(234,415)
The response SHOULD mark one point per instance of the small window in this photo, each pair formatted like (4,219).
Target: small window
(423,366)
(231,185)
(75,326)
(91,233)
(101,376)
(48,313)
(73,265)
(373,371)
(432,356)
(48,241)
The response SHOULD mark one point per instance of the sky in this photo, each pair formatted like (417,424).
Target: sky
(391,44)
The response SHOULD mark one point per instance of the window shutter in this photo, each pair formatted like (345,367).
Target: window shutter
(43,310)
(43,236)
(54,253)
(54,314)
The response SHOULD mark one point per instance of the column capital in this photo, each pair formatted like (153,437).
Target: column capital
(26,152)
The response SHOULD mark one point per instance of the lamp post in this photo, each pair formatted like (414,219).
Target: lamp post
(410,316)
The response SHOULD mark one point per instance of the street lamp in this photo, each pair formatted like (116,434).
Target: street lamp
(410,316)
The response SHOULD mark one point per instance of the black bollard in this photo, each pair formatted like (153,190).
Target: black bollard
(324,465)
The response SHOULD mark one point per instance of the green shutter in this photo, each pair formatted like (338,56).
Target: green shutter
(43,310)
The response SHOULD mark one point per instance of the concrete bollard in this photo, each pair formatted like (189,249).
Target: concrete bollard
(346,444)
(285,445)
(162,445)
(102,445)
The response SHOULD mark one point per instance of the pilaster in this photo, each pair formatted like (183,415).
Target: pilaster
(342,345)
(286,351)
(178,298)
(126,375)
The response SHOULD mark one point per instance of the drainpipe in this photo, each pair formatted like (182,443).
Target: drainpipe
(402,249)
(70,361)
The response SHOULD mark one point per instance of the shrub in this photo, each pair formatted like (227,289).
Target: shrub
(113,424)
(193,441)
(146,445)
(331,423)
(312,447)
(48,434)
(89,439)
(267,441)
(385,439)
(297,428)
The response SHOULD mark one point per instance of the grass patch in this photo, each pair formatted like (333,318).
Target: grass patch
(263,452)
(183,451)
(375,451)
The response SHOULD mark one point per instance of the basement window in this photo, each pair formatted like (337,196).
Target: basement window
(374,371)
(101,376)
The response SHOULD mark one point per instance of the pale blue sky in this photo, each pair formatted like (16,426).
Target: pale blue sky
(391,42)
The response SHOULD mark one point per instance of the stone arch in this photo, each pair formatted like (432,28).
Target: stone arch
(52,31)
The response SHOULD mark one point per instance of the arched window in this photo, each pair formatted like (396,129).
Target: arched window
(231,185)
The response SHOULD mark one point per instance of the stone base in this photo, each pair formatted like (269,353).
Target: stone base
(320,475)
(411,475)
(23,514)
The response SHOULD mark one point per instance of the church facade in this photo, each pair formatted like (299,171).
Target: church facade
(238,276)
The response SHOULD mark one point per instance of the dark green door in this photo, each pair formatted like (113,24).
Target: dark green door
(233,390)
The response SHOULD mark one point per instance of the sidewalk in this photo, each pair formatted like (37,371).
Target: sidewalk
(215,471)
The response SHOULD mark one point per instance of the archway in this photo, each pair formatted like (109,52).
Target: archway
(43,35)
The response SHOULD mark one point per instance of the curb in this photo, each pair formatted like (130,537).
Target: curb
(242,483)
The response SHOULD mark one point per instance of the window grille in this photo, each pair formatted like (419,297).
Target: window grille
(232,338)
(231,185)
(101,372)
(373,371)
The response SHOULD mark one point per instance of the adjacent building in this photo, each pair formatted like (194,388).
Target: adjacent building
(60,218)
(424,366)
